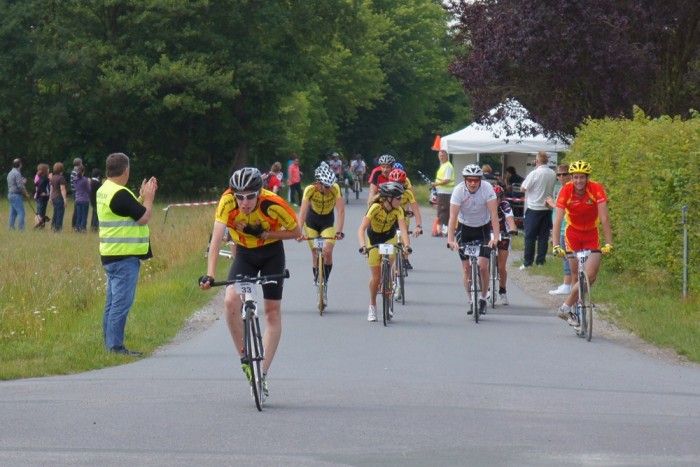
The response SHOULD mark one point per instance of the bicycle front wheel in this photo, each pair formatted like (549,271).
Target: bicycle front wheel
(255,355)
(586,309)
(476,280)
(357,189)
(387,292)
(399,277)
(321,284)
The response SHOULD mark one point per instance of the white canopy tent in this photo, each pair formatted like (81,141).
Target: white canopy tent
(465,145)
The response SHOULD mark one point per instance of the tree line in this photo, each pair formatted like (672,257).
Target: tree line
(191,90)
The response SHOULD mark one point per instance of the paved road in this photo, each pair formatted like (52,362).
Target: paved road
(433,388)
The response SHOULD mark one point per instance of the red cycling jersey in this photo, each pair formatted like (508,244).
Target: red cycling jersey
(582,211)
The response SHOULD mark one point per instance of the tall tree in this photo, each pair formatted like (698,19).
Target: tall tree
(566,60)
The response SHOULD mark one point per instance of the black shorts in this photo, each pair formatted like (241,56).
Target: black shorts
(267,259)
(466,234)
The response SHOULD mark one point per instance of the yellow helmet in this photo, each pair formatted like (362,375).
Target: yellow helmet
(580,167)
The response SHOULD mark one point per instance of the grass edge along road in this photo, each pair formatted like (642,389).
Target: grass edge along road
(52,296)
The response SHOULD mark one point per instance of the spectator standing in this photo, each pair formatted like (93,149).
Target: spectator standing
(444,184)
(95,184)
(58,196)
(537,186)
(16,192)
(41,195)
(82,200)
(77,162)
(124,242)
(294,181)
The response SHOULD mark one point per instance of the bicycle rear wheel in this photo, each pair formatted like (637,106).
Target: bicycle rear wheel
(357,188)
(321,284)
(587,310)
(493,273)
(387,292)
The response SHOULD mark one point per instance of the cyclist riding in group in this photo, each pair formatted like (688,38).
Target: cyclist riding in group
(506,225)
(256,220)
(473,216)
(585,205)
(358,169)
(380,175)
(379,226)
(409,205)
(318,205)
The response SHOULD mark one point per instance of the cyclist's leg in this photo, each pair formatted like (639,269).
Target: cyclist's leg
(273,331)
(466,275)
(328,232)
(311,233)
(502,271)
(484,275)
(592,266)
(232,305)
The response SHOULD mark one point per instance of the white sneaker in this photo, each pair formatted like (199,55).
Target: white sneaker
(563,289)
(564,312)
(523,267)
(372,315)
(504,299)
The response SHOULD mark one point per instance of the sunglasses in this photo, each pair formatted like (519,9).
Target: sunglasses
(242,197)
(472,180)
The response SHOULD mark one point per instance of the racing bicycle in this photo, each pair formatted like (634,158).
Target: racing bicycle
(253,351)
(472,250)
(322,280)
(386,282)
(494,276)
(357,184)
(584,307)
(400,270)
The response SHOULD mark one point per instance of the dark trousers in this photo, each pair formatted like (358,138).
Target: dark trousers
(443,207)
(295,189)
(538,224)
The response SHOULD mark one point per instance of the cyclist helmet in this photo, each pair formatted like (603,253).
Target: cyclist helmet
(391,189)
(325,176)
(399,165)
(246,179)
(397,175)
(580,167)
(472,170)
(498,190)
(386,159)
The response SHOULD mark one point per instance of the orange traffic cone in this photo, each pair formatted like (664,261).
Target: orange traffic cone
(436,144)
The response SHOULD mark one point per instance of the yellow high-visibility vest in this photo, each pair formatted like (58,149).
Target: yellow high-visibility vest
(119,236)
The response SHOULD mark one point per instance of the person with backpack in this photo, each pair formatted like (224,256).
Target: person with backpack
(271,180)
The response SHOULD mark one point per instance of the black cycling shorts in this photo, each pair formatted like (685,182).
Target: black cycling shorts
(465,234)
(266,259)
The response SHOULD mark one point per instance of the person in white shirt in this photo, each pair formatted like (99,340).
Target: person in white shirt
(473,216)
(537,186)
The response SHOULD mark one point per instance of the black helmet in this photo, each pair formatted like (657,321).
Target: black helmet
(391,189)
(246,179)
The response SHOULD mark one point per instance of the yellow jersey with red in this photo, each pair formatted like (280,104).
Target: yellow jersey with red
(271,214)
(582,211)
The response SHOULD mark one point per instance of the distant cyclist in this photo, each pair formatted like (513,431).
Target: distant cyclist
(506,225)
(317,216)
(585,205)
(379,226)
(473,216)
(409,205)
(256,220)
(358,169)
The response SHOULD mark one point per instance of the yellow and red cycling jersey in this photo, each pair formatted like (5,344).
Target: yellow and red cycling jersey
(582,211)
(271,214)
(322,203)
(407,200)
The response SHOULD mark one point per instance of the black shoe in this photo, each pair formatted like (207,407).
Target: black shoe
(482,306)
(121,350)
(470,310)
(408,265)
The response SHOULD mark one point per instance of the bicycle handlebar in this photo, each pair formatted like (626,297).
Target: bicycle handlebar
(255,279)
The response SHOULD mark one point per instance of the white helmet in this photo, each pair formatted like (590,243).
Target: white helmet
(472,170)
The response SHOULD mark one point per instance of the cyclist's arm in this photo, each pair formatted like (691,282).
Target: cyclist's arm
(452,225)
(510,220)
(303,211)
(492,205)
(361,232)
(404,232)
(373,189)
(556,226)
(340,207)
(605,222)
(417,215)
(282,234)
(216,235)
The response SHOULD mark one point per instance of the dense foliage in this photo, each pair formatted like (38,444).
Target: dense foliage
(648,169)
(568,60)
(193,89)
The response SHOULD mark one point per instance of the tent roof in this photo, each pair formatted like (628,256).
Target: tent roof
(477,138)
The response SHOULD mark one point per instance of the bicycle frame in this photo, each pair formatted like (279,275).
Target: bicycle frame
(322,284)
(584,305)
(472,250)
(386,284)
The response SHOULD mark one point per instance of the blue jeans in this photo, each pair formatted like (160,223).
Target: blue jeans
(567,266)
(81,215)
(122,277)
(59,209)
(16,210)
(537,227)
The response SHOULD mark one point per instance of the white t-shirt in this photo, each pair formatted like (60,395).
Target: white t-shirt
(538,185)
(357,166)
(335,165)
(473,210)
